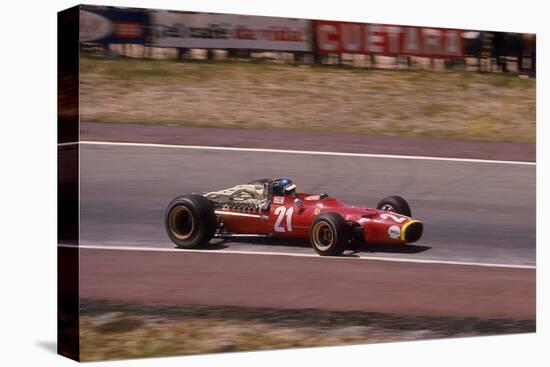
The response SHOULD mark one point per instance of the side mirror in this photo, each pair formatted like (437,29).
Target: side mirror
(299,203)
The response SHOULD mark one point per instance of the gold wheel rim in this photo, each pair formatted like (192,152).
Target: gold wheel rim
(181,222)
(323,236)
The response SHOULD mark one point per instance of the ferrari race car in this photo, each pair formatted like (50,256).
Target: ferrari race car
(273,208)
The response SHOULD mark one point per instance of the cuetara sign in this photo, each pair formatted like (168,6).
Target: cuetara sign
(391,40)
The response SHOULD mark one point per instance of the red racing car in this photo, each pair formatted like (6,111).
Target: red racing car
(273,208)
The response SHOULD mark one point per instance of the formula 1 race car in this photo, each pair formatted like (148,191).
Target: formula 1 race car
(273,208)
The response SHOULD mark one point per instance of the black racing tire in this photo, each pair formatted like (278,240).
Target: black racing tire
(329,234)
(190,221)
(259,181)
(395,204)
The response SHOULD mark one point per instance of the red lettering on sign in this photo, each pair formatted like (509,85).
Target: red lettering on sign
(383,39)
(244,33)
(127,30)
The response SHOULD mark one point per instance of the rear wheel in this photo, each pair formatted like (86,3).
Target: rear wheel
(190,221)
(395,204)
(329,234)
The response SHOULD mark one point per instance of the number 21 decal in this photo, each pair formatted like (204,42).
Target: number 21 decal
(280,212)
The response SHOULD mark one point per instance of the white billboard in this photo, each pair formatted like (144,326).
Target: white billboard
(220,31)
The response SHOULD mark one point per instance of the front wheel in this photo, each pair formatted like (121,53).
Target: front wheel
(190,221)
(395,204)
(329,234)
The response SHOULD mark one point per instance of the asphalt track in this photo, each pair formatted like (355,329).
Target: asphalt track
(475,212)
(301,140)
(282,282)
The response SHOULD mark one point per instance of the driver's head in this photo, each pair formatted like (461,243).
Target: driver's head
(284,187)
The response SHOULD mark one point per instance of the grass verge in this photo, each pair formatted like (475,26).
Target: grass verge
(235,94)
(115,331)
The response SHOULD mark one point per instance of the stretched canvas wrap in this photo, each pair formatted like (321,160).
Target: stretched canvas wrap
(232,183)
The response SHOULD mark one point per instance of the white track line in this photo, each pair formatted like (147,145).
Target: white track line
(391,259)
(67,144)
(308,152)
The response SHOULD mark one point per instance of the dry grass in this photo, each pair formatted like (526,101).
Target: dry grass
(114,331)
(463,105)
(197,336)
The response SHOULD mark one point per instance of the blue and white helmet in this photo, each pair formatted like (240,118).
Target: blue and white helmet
(283,186)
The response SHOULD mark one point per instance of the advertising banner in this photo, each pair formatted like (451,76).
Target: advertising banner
(390,40)
(221,31)
(113,26)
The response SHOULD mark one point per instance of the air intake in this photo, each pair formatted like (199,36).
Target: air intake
(413,231)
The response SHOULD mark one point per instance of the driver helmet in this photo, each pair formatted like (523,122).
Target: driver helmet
(283,187)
